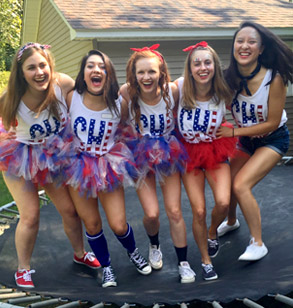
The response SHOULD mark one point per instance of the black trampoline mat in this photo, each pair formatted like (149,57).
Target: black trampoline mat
(58,276)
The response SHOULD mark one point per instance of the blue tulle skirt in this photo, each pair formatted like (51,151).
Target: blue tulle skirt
(162,156)
(40,163)
(90,174)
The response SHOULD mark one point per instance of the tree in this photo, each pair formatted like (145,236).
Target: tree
(10,30)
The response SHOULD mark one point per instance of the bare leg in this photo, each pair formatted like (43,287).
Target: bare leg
(236,164)
(172,199)
(255,169)
(220,182)
(114,206)
(88,211)
(194,185)
(71,221)
(147,195)
(26,197)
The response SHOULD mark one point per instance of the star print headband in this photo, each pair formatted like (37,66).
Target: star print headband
(192,47)
(30,45)
(152,49)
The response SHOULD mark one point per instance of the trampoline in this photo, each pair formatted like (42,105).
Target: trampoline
(58,276)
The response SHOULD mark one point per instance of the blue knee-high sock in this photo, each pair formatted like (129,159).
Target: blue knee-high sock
(127,240)
(99,246)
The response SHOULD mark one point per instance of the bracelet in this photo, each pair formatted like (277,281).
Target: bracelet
(233,132)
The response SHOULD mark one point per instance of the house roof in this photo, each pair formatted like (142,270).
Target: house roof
(126,18)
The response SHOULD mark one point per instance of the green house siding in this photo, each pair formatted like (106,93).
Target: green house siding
(54,30)
(31,17)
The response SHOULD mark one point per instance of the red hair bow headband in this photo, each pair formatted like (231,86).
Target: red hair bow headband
(152,49)
(192,47)
(30,45)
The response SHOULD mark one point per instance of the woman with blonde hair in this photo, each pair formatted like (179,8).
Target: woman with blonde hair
(202,107)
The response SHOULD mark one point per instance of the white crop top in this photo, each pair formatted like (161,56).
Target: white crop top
(34,130)
(252,110)
(199,124)
(156,120)
(95,129)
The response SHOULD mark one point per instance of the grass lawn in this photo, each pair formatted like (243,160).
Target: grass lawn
(5,196)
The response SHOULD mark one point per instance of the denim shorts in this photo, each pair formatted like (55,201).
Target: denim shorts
(277,141)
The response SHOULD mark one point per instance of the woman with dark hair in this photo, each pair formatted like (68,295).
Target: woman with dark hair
(157,152)
(33,136)
(260,68)
(101,166)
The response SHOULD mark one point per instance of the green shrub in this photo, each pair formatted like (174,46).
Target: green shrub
(5,196)
(4,76)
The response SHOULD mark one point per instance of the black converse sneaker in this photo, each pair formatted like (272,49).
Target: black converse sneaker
(109,279)
(140,262)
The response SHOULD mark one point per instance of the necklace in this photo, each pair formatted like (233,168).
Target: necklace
(243,81)
(95,94)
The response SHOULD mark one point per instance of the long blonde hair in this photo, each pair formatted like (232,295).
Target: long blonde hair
(17,86)
(219,89)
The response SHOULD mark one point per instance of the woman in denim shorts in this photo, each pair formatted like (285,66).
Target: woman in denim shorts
(259,71)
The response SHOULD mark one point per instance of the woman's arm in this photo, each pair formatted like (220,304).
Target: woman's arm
(124,112)
(175,93)
(68,99)
(65,82)
(124,92)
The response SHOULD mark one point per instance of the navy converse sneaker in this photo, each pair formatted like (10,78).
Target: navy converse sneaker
(213,247)
(140,262)
(109,279)
(208,272)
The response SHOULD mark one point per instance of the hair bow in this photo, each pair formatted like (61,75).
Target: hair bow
(192,47)
(152,49)
(30,45)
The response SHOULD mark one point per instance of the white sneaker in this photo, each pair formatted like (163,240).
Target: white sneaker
(155,257)
(186,274)
(253,251)
(225,228)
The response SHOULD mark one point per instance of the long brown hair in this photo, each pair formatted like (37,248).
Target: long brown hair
(133,87)
(17,86)
(111,87)
(219,89)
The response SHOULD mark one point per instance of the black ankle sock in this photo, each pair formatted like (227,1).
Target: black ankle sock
(154,239)
(181,254)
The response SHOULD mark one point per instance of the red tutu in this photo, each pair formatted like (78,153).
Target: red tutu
(207,155)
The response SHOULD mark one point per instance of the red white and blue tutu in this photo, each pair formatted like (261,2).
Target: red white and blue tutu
(40,163)
(162,155)
(91,174)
